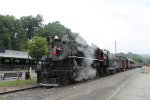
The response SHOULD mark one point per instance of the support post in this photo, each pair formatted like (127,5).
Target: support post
(30,74)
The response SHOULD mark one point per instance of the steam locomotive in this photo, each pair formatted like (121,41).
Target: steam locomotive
(71,61)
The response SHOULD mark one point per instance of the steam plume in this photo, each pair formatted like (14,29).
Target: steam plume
(87,71)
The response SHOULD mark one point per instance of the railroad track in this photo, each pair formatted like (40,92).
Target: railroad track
(18,90)
(39,86)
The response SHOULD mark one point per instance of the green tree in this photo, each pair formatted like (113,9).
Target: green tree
(38,47)
(56,28)
(31,24)
(12,34)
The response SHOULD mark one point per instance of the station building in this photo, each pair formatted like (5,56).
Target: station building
(12,60)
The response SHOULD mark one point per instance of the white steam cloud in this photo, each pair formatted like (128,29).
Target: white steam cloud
(87,71)
(80,40)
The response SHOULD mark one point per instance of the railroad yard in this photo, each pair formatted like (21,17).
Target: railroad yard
(129,85)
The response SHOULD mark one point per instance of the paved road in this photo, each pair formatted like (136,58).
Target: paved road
(128,85)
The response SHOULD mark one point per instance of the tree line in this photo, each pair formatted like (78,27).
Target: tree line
(15,33)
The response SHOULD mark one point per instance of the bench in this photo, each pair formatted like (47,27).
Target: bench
(12,75)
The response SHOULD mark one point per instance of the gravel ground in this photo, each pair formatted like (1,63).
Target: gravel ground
(99,89)
(13,88)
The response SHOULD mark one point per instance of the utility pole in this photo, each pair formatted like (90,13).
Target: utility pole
(115,47)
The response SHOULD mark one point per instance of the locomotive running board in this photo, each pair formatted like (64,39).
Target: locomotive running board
(49,84)
(83,58)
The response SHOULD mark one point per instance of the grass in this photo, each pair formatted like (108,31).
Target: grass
(18,83)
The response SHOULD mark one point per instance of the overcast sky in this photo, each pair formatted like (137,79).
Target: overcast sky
(98,21)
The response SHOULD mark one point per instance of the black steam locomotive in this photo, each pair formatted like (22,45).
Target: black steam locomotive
(70,61)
